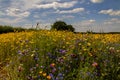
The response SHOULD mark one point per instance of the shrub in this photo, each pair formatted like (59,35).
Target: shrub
(6,29)
(61,25)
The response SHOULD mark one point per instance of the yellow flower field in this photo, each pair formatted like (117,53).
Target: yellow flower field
(31,55)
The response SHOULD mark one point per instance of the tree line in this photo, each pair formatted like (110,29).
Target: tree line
(58,25)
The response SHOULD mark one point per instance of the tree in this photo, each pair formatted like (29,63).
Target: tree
(61,25)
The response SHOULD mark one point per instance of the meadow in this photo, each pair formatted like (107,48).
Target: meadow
(59,55)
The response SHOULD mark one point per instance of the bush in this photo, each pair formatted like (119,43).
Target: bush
(61,25)
(6,29)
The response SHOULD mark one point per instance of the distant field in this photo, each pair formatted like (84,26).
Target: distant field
(59,55)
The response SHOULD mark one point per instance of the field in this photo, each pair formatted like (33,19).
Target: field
(59,55)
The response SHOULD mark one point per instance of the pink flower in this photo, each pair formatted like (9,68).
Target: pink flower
(95,64)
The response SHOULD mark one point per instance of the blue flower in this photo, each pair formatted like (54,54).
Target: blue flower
(52,76)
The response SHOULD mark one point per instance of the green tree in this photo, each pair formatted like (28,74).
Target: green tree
(61,25)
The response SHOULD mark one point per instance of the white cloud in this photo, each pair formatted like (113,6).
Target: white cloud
(28,4)
(36,16)
(22,8)
(65,17)
(87,22)
(1,13)
(56,5)
(110,12)
(9,21)
(17,12)
(96,1)
(76,10)
(91,21)
(112,21)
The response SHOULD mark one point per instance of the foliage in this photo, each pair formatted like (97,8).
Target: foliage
(61,25)
(59,55)
(7,29)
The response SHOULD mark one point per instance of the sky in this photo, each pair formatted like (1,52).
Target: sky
(84,15)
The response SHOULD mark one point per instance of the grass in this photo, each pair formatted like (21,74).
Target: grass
(59,55)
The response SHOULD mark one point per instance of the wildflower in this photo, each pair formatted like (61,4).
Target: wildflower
(88,44)
(95,64)
(51,75)
(31,69)
(20,68)
(60,60)
(44,74)
(19,52)
(38,76)
(90,54)
(42,66)
(118,50)
(34,68)
(32,55)
(53,70)
(62,51)
(112,50)
(48,77)
(73,55)
(64,57)
(57,78)
(52,65)
(29,77)
(37,65)
(40,72)
(34,77)
(49,55)
(60,74)
(36,58)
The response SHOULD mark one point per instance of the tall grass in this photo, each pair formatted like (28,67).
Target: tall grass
(59,55)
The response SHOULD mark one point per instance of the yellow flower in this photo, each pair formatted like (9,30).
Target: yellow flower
(44,74)
(52,65)
(32,55)
(48,77)
(40,72)
(90,54)
(64,57)
(88,44)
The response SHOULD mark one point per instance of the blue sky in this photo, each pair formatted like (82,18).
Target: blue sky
(95,15)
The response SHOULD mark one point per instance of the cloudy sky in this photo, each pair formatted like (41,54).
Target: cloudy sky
(95,15)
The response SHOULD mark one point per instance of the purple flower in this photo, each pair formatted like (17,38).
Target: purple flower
(60,75)
(38,76)
(49,54)
(42,66)
(53,70)
(61,60)
(52,76)
(57,78)
(36,58)
(62,51)
(20,52)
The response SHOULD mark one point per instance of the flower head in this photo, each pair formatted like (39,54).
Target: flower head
(95,64)
(48,77)
(44,74)
(52,65)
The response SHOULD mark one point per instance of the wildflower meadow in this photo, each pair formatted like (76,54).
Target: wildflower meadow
(59,55)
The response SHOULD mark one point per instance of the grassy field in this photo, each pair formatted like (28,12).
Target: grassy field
(59,55)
